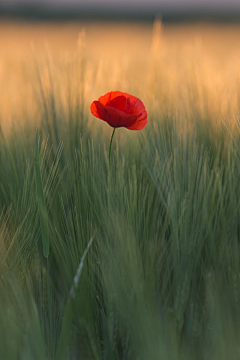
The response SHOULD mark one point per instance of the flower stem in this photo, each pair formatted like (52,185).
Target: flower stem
(110,146)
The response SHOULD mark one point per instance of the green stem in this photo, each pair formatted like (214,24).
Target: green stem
(110,146)
(49,310)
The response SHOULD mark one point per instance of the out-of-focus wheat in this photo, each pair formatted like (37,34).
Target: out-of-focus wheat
(161,279)
(191,71)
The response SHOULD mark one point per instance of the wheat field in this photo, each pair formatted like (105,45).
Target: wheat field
(165,62)
(136,258)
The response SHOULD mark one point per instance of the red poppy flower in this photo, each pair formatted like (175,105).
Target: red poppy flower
(120,109)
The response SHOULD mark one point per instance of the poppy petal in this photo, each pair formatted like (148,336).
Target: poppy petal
(104,99)
(137,108)
(117,118)
(118,102)
(138,125)
(97,109)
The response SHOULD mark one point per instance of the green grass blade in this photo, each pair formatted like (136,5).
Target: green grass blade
(41,202)
(68,312)
(65,332)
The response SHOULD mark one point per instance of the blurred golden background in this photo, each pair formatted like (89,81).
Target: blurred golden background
(189,69)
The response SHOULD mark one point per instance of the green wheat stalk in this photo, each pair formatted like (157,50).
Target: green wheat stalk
(41,202)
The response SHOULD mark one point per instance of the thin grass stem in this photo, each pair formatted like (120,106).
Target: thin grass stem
(110,146)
